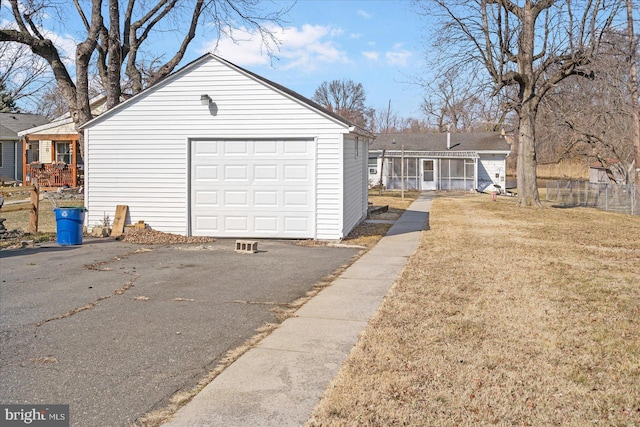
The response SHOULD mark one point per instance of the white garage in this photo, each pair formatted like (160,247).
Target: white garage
(215,150)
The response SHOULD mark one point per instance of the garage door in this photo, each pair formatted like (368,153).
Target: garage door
(257,188)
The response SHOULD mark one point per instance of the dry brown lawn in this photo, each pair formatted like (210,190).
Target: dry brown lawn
(46,216)
(504,316)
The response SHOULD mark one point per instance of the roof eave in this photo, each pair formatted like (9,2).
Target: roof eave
(46,126)
(361,132)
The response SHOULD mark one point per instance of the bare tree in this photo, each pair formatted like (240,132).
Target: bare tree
(387,121)
(52,104)
(345,98)
(383,121)
(115,36)
(592,118)
(633,89)
(22,75)
(530,45)
(450,100)
(466,112)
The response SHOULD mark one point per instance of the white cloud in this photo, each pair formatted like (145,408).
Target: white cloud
(364,14)
(304,48)
(400,57)
(372,55)
(239,46)
(66,46)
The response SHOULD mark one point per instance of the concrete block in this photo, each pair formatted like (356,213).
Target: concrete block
(246,246)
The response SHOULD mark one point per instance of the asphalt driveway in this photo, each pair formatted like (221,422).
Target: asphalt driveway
(114,329)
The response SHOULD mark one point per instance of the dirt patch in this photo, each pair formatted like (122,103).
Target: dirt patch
(153,237)
(368,234)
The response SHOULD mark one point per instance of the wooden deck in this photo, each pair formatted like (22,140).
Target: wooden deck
(52,175)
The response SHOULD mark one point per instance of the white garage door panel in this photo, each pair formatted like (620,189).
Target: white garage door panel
(203,172)
(265,198)
(206,198)
(207,224)
(265,173)
(253,188)
(268,224)
(294,224)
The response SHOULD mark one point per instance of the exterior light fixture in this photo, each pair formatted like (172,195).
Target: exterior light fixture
(205,99)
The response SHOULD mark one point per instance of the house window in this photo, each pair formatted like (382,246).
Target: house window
(63,152)
(33,152)
(427,170)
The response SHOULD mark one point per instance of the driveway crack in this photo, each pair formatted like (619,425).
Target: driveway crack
(89,306)
(237,301)
(100,266)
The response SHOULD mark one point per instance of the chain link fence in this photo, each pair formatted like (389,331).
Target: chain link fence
(609,197)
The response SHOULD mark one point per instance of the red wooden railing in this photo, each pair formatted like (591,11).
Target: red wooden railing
(52,175)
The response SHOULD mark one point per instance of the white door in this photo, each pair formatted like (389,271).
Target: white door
(253,188)
(428,168)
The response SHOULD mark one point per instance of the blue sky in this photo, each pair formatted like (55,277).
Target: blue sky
(378,43)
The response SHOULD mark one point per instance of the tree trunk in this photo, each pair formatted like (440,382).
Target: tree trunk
(527,164)
(635,108)
(527,111)
(113,85)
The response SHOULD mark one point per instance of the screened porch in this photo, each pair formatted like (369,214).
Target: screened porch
(448,171)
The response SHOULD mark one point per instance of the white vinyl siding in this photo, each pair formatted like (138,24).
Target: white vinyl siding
(355,178)
(137,154)
(490,165)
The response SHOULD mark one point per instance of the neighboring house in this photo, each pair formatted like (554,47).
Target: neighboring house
(613,174)
(11,165)
(52,152)
(439,161)
(216,150)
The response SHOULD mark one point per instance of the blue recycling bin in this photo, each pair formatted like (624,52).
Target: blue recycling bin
(69,225)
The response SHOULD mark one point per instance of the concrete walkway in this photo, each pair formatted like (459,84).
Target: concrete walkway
(280,381)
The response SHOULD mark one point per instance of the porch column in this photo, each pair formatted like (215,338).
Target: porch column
(25,145)
(475,173)
(74,162)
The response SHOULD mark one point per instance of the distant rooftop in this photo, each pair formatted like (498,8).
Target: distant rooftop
(437,141)
(12,123)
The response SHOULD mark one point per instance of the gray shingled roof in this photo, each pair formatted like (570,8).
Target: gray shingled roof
(436,141)
(7,134)
(12,123)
